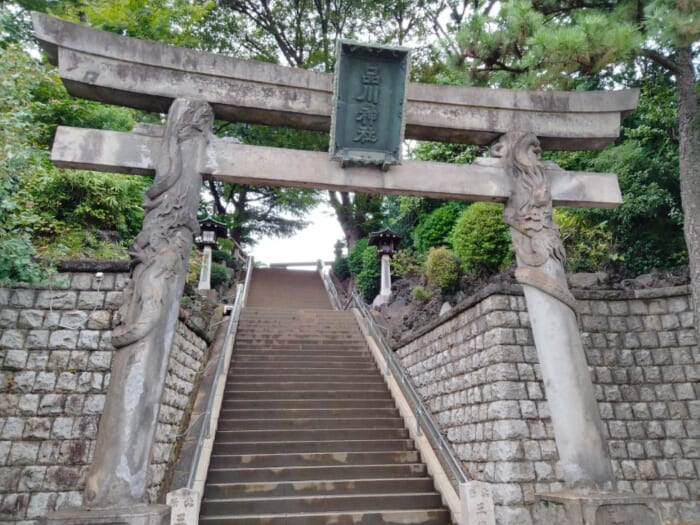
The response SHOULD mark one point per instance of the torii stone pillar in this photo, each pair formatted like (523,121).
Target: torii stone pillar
(117,479)
(578,429)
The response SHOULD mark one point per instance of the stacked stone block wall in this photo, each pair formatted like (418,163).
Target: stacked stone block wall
(55,359)
(479,374)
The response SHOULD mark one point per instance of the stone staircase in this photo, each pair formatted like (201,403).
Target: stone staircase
(309,433)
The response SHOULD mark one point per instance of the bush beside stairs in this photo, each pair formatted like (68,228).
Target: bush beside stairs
(309,433)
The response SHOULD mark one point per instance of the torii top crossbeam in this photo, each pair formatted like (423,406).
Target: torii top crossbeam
(147,75)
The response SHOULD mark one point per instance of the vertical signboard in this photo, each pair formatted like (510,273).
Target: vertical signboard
(367,123)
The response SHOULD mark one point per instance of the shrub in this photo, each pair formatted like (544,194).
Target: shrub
(420,294)
(369,276)
(406,262)
(442,269)
(589,248)
(435,229)
(341,269)
(219,274)
(221,256)
(355,256)
(17,263)
(481,239)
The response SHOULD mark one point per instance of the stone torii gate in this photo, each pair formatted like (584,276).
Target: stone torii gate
(194,87)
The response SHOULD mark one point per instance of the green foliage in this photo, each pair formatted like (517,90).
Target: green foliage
(420,294)
(435,229)
(368,278)
(341,268)
(355,257)
(481,239)
(406,263)
(542,44)
(589,247)
(646,231)
(364,266)
(221,256)
(58,212)
(176,22)
(80,199)
(442,269)
(17,263)
(79,243)
(219,274)
(445,152)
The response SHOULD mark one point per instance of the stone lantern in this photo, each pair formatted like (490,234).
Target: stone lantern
(386,242)
(211,231)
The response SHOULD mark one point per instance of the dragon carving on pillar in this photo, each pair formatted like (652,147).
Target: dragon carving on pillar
(538,247)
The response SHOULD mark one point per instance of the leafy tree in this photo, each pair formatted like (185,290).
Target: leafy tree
(575,43)
(253,211)
(646,231)
(355,256)
(44,210)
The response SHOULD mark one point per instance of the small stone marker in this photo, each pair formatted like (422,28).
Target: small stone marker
(477,503)
(185,506)
(368,116)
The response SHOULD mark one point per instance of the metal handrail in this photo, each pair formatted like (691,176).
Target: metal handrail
(205,429)
(424,419)
(330,288)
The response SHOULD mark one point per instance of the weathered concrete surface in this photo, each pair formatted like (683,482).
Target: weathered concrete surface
(229,161)
(146,75)
(137,515)
(118,474)
(578,428)
(580,508)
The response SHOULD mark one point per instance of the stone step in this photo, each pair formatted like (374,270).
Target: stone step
(316,395)
(313,356)
(305,404)
(306,488)
(315,459)
(337,472)
(282,325)
(315,368)
(234,385)
(295,319)
(323,503)
(384,517)
(305,413)
(228,436)
(316,357)
(309,423)
(282,328)
(260,360)
(286,377)
(309,433)
(326,347)
(308,447)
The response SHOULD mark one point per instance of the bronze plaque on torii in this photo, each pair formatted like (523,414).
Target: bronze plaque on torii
(369,102)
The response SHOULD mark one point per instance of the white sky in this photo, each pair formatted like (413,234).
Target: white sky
(314,242)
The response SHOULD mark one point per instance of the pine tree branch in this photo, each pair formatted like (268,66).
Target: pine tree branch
(661,60)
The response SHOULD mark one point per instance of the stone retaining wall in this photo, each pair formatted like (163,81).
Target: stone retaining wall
(55,359)
(479,374)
